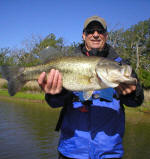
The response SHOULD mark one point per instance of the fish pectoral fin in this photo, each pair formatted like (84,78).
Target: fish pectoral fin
(93,80)
(87,94)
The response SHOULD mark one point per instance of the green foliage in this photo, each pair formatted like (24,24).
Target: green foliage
(72,47)
(4,86)
(33,96)
(49,40)
(29,56)
(134,44)
(5,57)
(28,59)
(144,77)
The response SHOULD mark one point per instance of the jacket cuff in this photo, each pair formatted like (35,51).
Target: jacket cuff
(56,100)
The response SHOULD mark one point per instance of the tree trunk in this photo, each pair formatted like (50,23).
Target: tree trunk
(137,57)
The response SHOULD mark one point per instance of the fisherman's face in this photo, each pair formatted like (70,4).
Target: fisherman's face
(95,37)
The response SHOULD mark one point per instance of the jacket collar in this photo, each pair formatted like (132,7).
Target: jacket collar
(95,52)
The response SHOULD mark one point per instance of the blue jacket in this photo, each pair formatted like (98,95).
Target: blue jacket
(93,129)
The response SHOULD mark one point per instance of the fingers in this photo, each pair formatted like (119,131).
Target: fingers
(42,80)
(50,79)
(53,84)
(125,89)
(59,86)
(57,82)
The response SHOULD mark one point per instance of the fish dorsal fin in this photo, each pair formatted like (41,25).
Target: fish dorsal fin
(49,53)
(87,94)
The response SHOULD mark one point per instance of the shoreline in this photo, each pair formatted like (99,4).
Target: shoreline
(39,98)
(14,99)
(34,97)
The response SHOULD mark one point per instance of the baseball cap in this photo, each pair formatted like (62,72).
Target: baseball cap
(95,18)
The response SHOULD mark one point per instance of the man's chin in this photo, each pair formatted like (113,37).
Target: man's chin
(95,47)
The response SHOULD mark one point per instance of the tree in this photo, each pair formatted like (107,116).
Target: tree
(5,57)
(137,40)
(49,40)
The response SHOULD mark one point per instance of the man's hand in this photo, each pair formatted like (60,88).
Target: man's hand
(124,89)
(52,83)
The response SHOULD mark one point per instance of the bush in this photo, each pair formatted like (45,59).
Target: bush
(144,77)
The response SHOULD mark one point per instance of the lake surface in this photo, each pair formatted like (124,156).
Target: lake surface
(27,132)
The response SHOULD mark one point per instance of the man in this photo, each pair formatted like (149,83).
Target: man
(91,129)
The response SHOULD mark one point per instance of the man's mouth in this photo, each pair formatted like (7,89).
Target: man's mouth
(96,40)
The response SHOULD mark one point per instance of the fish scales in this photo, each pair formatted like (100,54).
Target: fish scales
(82,65)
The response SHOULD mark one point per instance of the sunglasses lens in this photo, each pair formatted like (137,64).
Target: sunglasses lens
(101,31)
(91,31)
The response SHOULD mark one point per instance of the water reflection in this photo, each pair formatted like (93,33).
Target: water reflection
(27,132)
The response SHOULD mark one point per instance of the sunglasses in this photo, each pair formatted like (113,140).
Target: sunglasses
(92,30)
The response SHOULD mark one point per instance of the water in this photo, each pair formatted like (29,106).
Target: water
(27,132)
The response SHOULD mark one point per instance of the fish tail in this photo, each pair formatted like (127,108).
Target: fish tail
(15,77)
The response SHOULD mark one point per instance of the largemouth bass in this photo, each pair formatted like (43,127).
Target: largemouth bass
(79,74)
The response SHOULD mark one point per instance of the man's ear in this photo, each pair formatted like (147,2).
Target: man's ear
(106,36)
(83,36)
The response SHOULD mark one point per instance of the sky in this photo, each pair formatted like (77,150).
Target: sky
(21,19)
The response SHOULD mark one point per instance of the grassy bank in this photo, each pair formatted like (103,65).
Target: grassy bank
(32,96)
(31,91)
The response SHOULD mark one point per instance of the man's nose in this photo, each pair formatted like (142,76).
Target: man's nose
(96,34)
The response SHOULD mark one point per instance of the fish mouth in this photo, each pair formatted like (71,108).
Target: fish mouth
(129,80)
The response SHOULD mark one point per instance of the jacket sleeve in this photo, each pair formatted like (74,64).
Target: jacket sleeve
(58,100)
(135,98)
